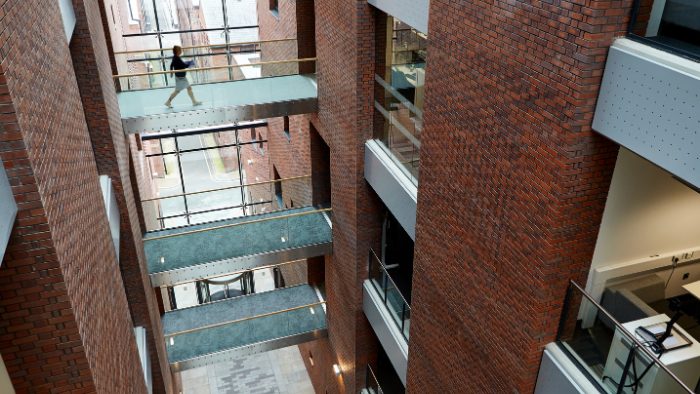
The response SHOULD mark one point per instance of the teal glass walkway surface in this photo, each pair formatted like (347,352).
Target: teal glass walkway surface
(223,102)
(231,328)
(236,244)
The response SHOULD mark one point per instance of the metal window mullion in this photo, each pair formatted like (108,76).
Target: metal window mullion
(227,38)
(182,179)
(240,173)
(160,40)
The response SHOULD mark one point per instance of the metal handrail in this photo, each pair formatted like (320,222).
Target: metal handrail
(302,60)
(227,188)
(206,327)
(232,44)
(631,336)
(202,230)
(370,373)
(383,267)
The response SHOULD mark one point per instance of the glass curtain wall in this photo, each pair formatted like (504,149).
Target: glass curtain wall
(150,29)
(400,94)
(212,164)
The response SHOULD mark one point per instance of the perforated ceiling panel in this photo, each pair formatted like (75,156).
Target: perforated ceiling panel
(649,102)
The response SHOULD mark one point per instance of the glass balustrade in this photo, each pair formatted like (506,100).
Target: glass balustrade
(672,25)
(399,125)
(203,206)
(145,69)
(625,357)
(398,307)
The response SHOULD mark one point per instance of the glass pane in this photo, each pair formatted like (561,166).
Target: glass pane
(216,215)
(165,175)
(241,13)
(160,145)
(607,352)
(208,169)
(675,24)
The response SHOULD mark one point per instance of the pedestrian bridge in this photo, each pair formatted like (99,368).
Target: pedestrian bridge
(240,89)
(190,253)
(224,330)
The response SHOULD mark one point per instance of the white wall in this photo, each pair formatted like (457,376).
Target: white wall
(647,213)
(5,383)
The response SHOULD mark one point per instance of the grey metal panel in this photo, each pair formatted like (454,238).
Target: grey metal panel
(388,333)
(8,211)
(649,103)
(222,267)
(559,375)
(397,192)
(413,12)
(218,116)
(260,347)
(68,16)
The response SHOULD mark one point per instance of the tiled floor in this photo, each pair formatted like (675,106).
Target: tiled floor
(279,371)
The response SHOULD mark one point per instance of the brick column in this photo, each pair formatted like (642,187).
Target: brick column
(513,185)
(91,59)
(64,319)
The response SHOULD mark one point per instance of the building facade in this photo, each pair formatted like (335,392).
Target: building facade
(421,196)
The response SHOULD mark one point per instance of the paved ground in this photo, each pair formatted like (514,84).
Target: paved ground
(279,371)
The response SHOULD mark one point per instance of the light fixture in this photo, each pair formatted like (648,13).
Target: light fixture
(336,369)
(313,312)
(172,341)
(162,260)
(284,239)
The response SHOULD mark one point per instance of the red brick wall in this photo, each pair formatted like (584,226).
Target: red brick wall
(91,60)
(65,322)
(344,45)
(513,185)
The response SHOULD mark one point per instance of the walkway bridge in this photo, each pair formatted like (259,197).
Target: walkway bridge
(240,89)
(217,331)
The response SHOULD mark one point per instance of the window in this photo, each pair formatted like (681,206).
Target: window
(274,7)
(285,129)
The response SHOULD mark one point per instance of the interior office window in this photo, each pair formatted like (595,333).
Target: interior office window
(274,6)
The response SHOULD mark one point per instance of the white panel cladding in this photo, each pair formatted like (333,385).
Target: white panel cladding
(110,200)
(68,16)
(388,333)
(649,103)
(392,185)
(413,12)
(8,211)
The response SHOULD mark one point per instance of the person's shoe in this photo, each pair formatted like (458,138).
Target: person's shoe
(196,103)
(168,104)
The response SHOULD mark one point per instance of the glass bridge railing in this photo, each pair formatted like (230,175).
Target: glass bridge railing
(399,308)
(623,357)
(150,68)
(167,211)
(217,338)
(371,384)
(401,128)
(174,253)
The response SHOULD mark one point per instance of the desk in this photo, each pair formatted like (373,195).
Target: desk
(683,362)
(693,288)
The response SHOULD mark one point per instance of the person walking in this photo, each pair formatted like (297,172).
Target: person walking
(181,81)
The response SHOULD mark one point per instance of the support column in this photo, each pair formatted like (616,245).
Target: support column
(93,66)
